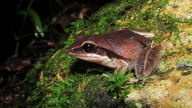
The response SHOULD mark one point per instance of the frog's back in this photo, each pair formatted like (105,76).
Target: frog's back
(123,42)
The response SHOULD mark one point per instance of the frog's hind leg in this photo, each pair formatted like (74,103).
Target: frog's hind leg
(148,61)
(139,67)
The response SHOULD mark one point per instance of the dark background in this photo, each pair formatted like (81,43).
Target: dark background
(11,22)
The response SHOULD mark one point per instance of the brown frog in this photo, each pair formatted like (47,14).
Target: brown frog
(124,49)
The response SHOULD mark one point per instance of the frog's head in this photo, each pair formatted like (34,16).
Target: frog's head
(86,48)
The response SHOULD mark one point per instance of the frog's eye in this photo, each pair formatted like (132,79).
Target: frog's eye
(88,47)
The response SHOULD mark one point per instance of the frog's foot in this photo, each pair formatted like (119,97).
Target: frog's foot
(121,65)
(148,61)
(134,80)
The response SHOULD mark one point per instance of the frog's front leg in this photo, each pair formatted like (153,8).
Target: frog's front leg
(148,61)
(124,66)
(121,65)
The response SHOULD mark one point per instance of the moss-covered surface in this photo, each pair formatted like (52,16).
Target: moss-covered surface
(65,82)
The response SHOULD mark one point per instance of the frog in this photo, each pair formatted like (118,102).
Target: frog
(123,50)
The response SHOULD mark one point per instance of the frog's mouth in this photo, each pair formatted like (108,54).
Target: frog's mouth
(95,58)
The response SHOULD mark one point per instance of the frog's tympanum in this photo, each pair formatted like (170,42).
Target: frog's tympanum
(124,49)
